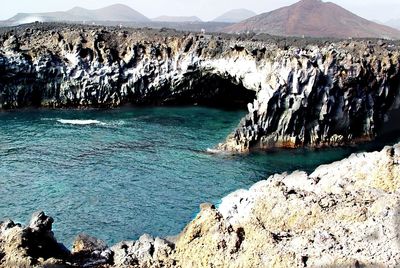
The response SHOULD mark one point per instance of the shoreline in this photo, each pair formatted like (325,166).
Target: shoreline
(358,193)
(304,93)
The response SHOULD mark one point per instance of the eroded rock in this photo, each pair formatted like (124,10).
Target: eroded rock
(311,94)
(145,252)
(32,245)
(335,217)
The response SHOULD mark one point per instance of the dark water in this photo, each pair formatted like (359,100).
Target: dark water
(138,170)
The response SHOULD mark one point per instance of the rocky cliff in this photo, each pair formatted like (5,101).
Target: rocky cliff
(302,92)
(319,96)
(345,214)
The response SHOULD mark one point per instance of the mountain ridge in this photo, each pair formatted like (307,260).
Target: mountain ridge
(115,12)
(235,15)
(166,18)
(394,23)
(314,18)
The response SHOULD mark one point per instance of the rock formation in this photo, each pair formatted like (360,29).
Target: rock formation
(26,247)
(342,215)
(321,96)
(345,214)
(302,93)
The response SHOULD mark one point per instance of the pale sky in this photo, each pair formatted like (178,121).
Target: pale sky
(381,10)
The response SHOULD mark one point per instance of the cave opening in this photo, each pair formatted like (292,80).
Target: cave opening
(210,90)
(388,130)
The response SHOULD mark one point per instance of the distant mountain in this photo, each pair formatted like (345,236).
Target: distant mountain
(22,18)
(117,12)
(314,18)
(395,23)
(177,19)
(235,15)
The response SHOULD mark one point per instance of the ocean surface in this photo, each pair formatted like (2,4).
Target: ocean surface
(117,174)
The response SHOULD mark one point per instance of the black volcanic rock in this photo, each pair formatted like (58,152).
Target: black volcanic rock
(300,94)
(314,18)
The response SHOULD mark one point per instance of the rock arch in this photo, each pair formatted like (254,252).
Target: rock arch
(300,94)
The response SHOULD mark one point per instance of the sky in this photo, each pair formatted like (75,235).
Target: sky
(378,10)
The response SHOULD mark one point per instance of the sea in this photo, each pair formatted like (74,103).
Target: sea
(119,173)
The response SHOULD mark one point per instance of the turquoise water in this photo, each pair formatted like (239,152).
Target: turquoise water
(132,171)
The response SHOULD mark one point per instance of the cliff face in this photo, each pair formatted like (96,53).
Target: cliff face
(322,94)
(78,67)
(345,214)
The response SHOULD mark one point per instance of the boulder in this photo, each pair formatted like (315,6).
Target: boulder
(84,243)
(24,247)
(145,252)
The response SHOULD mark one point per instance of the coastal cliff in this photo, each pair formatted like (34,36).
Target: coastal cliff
(297,92)
(345,214)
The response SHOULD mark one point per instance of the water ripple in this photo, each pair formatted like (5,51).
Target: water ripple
(117,174)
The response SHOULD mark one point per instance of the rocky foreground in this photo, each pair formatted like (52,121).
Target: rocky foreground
(302,92)
(345,214)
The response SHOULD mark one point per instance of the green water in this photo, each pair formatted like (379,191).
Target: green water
(132,171)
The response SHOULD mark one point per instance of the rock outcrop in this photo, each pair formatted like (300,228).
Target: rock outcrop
(35,244)
(345,214)
(302,93)
(321,96)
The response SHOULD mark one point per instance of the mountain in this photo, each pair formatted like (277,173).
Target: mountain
(22,18)
(314,18)
(395,23)
(235,15)
(117,12)
(177,19)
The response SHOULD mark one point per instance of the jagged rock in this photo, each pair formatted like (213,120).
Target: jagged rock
(40,223)
(5,225)
(320,96)
(208,232)
(11,44)
(162,249)
(89,251)
(145,252)
(306,94)
(84,243)
(342,215)
(32,245)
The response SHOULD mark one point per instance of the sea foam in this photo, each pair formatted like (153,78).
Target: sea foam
(80,122)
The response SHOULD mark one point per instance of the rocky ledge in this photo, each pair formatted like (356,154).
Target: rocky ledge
(345,214)
(298,92)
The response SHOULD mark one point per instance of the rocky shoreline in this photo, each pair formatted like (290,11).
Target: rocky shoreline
(345,214)
(301,92)
(298,93)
